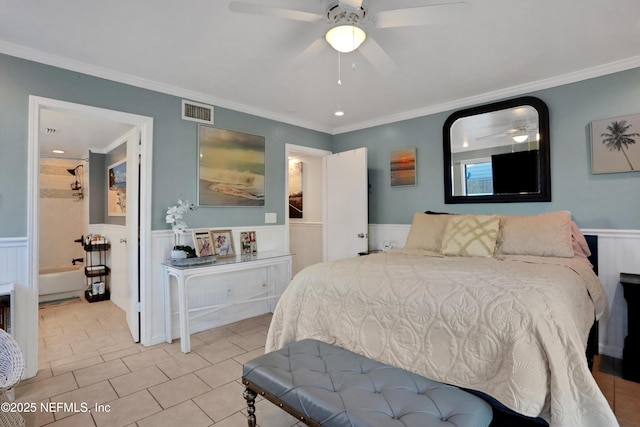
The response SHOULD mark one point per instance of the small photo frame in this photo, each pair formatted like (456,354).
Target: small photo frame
(402,167)
(203,242)
(222,243)
(248,242)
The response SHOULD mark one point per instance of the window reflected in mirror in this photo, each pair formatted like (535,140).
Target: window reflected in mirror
(498,153)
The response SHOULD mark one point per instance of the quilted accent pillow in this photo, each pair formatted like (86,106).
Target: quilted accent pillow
(426,232)
(547,234)
(471,235)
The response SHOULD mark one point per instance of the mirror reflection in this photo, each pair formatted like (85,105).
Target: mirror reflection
(498,153)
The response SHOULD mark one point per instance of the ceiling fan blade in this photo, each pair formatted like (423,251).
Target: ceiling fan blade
(421,15)
(350,4)
(276,12)
(312,50)
(493,136)
(375,54)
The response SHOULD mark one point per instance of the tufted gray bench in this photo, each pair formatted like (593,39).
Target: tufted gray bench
(324,385)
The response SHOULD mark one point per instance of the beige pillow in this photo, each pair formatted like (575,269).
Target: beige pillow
(547,234)
(471,235)
(427,231)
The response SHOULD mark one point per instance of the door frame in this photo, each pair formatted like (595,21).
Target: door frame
(315,152)
(144,126)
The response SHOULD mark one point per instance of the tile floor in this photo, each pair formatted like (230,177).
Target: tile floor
(87,359)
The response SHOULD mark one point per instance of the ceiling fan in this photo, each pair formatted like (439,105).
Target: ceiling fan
(519,131)
(348,20)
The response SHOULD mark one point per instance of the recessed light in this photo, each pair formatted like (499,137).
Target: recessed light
(339,113)
(58,151)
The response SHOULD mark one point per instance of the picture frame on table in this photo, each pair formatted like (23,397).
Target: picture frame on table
(203,243)
(223,243)
(248,242)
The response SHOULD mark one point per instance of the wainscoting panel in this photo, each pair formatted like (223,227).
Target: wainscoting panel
(14,268)
(618,252)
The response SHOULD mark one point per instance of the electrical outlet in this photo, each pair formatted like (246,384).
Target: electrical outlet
(270,217)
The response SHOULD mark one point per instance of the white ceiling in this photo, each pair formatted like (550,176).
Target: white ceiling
(199,50)
(76,134)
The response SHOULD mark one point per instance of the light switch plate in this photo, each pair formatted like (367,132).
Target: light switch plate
(270,217)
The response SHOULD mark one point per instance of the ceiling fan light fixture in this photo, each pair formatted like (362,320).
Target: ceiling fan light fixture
(521,137)
(345,38)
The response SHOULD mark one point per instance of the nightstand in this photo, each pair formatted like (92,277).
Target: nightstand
(631,354)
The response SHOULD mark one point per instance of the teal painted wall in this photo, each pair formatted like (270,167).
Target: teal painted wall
(174,150)
(596,201)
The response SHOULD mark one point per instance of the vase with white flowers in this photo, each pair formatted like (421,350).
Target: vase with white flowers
(175,217)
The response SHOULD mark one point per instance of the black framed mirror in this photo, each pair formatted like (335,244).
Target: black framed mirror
(498,153)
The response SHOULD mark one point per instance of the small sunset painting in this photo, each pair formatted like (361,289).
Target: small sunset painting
(402,165)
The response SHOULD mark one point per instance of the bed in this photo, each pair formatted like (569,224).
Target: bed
(498,304)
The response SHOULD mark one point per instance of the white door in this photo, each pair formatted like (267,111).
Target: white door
(131,304)
(347,192)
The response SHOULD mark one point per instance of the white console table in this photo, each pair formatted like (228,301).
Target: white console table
(184,273)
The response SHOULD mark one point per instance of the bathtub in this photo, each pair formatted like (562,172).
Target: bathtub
(61,282)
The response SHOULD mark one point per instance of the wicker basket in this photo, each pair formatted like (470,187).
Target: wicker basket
(11,368)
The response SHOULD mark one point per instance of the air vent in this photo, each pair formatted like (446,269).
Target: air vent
(197,112)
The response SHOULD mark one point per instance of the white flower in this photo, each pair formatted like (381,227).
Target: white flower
(176,213)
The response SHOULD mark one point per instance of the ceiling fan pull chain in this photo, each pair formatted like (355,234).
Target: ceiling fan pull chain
(339,79)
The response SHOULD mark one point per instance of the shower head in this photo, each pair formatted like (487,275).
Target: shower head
(74,171)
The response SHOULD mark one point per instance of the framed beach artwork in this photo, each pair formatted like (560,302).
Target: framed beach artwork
(231,168)
(402,167)
(615,144)
(117,189)
(222,243)
(295,189)
(203,242)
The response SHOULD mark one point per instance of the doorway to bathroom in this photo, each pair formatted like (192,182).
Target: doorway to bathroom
(131,229)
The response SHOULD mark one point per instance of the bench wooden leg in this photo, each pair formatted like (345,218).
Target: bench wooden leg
(250,396)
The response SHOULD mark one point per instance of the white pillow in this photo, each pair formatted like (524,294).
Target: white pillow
(471,235)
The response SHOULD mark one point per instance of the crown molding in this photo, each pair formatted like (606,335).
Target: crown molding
(68,64)
(35,55)
(585,74)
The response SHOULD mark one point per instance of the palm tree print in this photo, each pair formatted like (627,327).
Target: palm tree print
(618,139)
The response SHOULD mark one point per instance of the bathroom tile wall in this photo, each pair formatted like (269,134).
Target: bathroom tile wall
(63,213)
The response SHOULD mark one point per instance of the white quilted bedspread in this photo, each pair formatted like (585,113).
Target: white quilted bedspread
(515,328)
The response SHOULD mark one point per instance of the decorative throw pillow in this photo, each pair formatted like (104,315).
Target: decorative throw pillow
(471,235)
(547,234)
(427,231)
